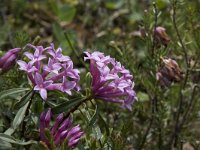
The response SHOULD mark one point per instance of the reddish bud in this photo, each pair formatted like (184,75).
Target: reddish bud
(161,36)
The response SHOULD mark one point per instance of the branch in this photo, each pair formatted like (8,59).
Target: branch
(177,129)
(155,25)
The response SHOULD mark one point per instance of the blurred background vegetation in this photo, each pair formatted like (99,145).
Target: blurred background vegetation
(122,29)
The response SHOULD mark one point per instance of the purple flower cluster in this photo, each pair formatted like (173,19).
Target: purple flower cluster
(110,80)
(61,130)
(8,59)
(49,69)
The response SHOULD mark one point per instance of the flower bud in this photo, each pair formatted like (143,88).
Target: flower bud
(47,118)
(8,59)
(161,36)
(61,131)
(168,72)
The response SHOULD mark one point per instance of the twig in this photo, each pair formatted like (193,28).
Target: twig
(155,25)
(146,133)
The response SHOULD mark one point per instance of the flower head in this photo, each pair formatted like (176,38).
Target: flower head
(110,80)
(8,59)
(61,130)
(54,75)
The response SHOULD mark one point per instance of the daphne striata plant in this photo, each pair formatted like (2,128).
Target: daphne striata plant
(57,74)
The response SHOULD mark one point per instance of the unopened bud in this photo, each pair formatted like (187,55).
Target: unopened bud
(8,59)
(47,118)
(161,36)
(169,72)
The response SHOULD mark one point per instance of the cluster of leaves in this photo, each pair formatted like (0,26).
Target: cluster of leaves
(162,118)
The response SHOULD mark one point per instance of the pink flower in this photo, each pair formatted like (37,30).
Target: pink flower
(58,74)
(110,80)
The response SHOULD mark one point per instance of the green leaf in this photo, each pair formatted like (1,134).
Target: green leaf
(88,78)
(10,139)
(5,145)
(93,144)
(9,131)
(142,96)
(113,4)
(12,92)
(104,124)
(24,100)
(49,138)
(59,35)
(94,117)
(41,146)
(97,132)
(67,13)
(19,116)
(64,145)
(66,106)
(53,5)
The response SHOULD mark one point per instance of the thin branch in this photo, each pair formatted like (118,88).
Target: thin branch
(155,25)
(180,40)
(189,108)
(146,134)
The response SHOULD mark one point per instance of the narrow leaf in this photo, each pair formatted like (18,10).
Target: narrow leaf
(24,100)
(5,145)
(19,116)
(66,106)
(9,131)
(10,139)
(94,117)
(10,92)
